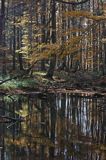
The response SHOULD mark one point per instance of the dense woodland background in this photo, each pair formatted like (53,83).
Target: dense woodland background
(48,35)
(53,79)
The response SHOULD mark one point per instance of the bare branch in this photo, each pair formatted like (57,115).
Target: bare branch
(72,3)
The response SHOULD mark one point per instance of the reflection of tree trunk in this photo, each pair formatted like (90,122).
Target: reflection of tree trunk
(2,150)
(2,133)
(42,157)
(53,39)
(42,147)
(53,124)
(62,126)
(73,112)
(103,127)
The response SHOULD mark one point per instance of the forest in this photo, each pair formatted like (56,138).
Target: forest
(52,41)
(52,79)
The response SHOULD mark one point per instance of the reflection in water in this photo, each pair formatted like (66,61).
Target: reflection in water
(56,127)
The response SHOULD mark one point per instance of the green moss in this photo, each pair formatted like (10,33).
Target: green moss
(13,84)
(30,83)
(9,85)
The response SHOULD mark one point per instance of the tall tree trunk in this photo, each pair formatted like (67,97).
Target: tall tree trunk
(14,43)
(18,47)
(53,40)
(43,21)
(2,16)
(2,36)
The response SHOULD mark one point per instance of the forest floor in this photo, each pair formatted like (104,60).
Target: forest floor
(78,82)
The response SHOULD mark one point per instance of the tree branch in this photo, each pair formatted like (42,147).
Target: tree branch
(72,3)
(9,79)
(12,119)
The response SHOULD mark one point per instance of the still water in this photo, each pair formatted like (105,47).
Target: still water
(59,126)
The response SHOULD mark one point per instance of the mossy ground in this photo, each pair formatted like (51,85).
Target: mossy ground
(61,79)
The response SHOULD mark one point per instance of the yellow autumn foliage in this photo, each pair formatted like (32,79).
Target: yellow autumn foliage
(47,51)
(77,13)
(73,45)
(70,51)
(69,47)
(86,14)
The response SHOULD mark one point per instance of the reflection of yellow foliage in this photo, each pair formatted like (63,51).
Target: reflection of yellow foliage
(24,111)
(19,142)
(4,48)
(26,141)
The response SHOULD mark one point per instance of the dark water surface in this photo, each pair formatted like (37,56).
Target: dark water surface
(55,127)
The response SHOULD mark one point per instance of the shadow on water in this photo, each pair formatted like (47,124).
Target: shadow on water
(55,127)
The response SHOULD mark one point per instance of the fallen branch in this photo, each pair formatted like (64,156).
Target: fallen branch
(72,2)
(9,79)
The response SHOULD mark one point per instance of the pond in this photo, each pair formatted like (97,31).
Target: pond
(60,126)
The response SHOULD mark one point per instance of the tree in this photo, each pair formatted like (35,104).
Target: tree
(2,35)
(53,40)
(62,32)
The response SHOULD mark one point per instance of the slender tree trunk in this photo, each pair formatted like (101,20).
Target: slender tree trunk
(53,39)
(2,35)
(43,20)
(14,44)
(18,47)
